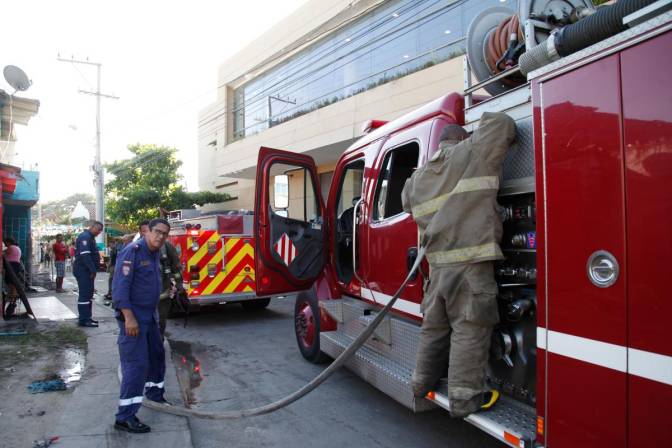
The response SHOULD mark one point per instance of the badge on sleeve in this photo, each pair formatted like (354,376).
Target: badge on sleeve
(126,267)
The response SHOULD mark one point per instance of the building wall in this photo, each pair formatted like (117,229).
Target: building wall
(228,165)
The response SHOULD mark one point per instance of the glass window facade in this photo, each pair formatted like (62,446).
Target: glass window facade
(394,40)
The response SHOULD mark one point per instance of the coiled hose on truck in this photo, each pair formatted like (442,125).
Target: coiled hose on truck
(606,22)
(305,390)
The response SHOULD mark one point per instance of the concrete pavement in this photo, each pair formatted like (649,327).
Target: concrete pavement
(87,416)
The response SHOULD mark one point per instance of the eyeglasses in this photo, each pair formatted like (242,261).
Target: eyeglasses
(159,233)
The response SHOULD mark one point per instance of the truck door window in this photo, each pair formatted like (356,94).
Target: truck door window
(398,166)
(293,193)
(349,192)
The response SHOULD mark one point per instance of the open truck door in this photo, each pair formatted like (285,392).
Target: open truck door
(288,223)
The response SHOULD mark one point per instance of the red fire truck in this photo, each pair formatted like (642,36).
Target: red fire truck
(217,255)
(582,354)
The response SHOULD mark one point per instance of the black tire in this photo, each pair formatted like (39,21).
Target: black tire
(257,304)
(307,327)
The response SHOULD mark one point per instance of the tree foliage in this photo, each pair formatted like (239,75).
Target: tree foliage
(147,182)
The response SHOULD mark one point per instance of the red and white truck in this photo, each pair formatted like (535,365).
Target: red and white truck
(583,355)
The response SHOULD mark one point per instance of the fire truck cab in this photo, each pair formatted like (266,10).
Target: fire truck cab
(582,355)
(216,252)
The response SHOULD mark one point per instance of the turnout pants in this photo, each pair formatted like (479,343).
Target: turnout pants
(85,287)
(460,309)
(143,366)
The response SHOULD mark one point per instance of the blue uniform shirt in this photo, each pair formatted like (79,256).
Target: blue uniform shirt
(86,253)
(137,281)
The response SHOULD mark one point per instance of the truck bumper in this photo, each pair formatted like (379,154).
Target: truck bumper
(214,299)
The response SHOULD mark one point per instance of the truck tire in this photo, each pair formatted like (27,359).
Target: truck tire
(307,327)
(257,304)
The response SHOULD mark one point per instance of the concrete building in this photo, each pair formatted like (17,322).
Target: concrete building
(310,83)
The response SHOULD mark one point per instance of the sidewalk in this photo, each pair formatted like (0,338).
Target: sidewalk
(87,416)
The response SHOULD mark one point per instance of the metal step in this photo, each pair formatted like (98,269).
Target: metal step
(388,376)
(395,338)
(509,421)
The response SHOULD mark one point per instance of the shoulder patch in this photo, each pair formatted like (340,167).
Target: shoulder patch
(136,246)
(85,242)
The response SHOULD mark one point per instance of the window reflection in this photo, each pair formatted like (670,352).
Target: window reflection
(394,40)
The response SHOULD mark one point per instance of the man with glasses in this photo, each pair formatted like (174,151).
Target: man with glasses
(135,293)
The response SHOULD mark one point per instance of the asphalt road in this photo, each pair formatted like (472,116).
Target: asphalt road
(229,358)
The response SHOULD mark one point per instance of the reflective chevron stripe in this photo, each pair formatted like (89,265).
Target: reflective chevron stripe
(463,186)
(130,401)
(466,254)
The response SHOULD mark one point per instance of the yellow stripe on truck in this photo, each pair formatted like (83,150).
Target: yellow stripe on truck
(237,258)
(219,278)
(201,253)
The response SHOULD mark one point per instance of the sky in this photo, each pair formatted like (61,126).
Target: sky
(159,57)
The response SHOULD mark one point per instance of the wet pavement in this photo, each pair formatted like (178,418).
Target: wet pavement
(188,369)
(73,364)
(228,358)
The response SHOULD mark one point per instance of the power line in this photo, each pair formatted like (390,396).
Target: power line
(411,26)
(370,76)
(376,48)
(358,35)
(419,22)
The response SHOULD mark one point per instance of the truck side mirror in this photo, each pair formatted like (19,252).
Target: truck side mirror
(281,192)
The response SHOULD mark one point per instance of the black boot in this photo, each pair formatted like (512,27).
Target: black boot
(133,425)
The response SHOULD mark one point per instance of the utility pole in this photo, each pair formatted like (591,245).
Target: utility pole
(270,106)
(98,176)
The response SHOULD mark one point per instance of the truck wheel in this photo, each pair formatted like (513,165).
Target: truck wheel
(257,304)
(307,327)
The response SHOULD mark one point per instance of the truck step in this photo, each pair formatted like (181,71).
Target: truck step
(390,377)
(395,338)
(509,421)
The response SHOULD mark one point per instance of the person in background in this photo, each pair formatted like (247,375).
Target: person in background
(143,229)
(47,254)
(60,254)
(115,247)
(171,276)
(13,257)
(87,260)
(71,255)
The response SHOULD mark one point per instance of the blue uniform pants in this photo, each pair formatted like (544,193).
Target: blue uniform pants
(84,301)
(143,366)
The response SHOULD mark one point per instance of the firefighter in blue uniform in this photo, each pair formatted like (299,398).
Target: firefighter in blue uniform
(85,267)
(135,293)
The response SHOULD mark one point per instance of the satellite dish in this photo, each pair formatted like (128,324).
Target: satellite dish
(16,78)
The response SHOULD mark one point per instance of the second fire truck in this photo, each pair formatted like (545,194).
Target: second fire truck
(217,256)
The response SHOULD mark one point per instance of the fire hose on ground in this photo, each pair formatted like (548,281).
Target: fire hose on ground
(305,390)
